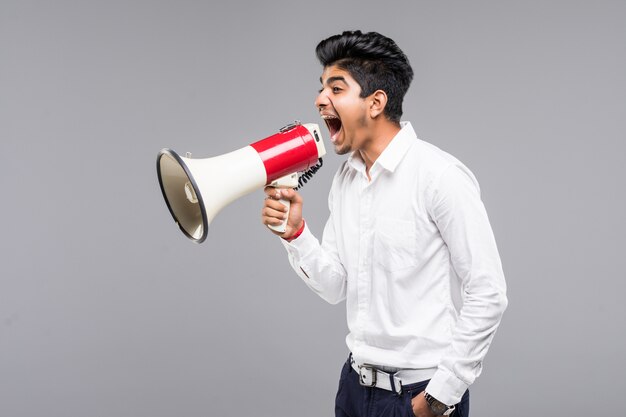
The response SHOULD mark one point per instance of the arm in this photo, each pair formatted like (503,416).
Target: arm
(462,220)
(317,264)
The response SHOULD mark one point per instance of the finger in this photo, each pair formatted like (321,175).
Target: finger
(287,193)
(275,205)
(271,221)
(290,194)
(270,212)
(273,193)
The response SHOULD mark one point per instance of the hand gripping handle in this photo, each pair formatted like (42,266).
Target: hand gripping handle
(288,181)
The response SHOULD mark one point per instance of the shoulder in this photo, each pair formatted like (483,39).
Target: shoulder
(434,158)
(441,169)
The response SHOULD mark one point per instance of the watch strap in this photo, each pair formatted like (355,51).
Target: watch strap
(437,407)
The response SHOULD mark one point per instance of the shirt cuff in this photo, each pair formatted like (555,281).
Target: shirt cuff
(305,243)
(446,387)
(298,232)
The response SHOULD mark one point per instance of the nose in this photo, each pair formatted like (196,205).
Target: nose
(321,100)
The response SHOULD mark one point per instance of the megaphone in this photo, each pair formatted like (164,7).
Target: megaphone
(195,190)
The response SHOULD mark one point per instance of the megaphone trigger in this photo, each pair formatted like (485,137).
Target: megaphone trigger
(288,181)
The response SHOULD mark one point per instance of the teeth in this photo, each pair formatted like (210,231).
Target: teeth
(333,127)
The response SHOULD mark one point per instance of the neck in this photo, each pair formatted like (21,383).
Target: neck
(380,135)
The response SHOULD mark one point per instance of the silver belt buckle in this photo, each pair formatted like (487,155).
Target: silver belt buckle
(367,376)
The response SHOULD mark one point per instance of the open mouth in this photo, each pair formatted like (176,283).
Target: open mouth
(334,126)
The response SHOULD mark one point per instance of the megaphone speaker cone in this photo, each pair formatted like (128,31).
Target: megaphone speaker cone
(182,195)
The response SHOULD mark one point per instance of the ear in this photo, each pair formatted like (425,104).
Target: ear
(378,101)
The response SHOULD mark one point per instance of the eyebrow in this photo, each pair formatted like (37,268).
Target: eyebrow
(332,79)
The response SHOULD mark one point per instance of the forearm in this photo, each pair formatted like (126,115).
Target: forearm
(318,266)
(461,364)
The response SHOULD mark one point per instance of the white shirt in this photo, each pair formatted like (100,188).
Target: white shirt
(413,254)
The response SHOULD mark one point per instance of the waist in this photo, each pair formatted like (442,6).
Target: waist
(418,354)
(406,375)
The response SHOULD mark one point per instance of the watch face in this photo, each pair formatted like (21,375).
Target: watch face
(439,408)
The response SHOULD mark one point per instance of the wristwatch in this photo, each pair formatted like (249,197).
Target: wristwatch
(437,407)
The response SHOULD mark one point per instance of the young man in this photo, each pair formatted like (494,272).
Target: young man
(408,244)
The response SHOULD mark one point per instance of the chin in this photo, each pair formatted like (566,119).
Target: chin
(342,150)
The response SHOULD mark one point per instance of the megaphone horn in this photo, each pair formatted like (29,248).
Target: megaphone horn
(195,190)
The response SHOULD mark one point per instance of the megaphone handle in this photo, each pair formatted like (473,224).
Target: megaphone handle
(283,226)
(287,181)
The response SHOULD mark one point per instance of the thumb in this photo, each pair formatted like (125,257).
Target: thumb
(291,195)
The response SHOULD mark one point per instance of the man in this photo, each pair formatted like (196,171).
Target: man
(408,244)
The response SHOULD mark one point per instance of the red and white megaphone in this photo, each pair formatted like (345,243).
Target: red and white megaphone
(195,190)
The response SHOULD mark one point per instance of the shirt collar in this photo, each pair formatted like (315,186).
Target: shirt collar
(392,154)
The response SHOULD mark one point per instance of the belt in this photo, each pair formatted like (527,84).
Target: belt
(370,376)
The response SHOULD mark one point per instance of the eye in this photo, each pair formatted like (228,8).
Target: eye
(335,90)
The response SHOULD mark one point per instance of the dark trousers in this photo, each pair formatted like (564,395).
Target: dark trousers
(355,400)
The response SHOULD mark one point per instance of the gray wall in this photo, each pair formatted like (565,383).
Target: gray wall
(107,310)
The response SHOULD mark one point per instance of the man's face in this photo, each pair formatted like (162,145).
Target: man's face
(343,110)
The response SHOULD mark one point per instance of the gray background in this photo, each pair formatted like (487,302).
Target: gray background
(107,310)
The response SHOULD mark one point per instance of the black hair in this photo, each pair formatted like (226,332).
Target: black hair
(374,61)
